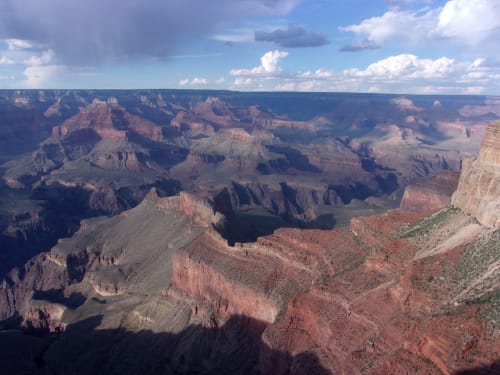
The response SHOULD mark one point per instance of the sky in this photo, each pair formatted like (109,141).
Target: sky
(389,46)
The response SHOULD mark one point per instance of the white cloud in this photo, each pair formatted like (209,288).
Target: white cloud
(4,60)
(18,44)
(38,75)
(240,81)
(196,81)
(5,78)
(405,67)
(199,81)
(297,86)
(469,20)
(271,59)
(477,62)
(220,81)
(464,21)
(405,73)
(268,65)
(319,73)
(45,58)
(402,25)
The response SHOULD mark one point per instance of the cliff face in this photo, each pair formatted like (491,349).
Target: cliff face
(430,194)
(389,294)
(490,147)
(478,190)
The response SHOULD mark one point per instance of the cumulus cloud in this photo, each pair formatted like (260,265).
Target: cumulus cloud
(242,81)
(466,22)
(94,31)
(4,60)
(397,74)
(268,65)
(18,44)
(469,20)
(406,67)
(319,73)
(196,81)
(38,75)
(292,37)
(402,25)
(43,59)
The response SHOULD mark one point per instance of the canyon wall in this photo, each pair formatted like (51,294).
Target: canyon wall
(430,194)
(478,190)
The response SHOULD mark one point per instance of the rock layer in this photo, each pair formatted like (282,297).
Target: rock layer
(430,194)
(489,151)
(478,190)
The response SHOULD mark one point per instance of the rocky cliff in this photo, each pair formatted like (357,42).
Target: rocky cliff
(490,147)
(478,190)
(393,293)
(430,194)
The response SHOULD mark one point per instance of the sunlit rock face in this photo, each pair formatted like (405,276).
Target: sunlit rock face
(489,151)
(478,191)
(430,194)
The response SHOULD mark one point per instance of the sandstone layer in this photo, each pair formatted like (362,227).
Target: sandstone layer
(479,186)
(430,194)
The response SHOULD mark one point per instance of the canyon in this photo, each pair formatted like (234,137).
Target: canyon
(332,274)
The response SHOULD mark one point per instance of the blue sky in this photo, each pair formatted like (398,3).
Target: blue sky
(400,46)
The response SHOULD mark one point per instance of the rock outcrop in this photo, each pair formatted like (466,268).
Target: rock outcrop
(109,120)
(489,152)
(478,190)
(430,194)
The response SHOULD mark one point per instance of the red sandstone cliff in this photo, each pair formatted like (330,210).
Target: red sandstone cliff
(430,194)
(478,190)
(357,299)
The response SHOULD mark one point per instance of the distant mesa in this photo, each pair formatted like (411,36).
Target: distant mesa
(109,120)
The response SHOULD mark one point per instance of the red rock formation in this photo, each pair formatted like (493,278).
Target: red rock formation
(479,186)
(198,210)
(206,272)
(489,152)
(359,300)
(369,316)
(431,194)
(254,280)
(109,120)
(354,298)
